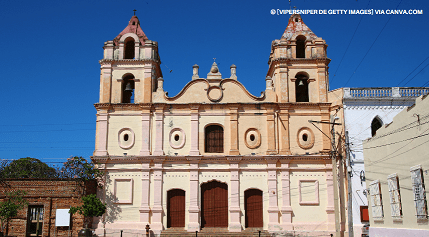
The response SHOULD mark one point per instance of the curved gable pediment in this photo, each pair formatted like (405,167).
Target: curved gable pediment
(204,91)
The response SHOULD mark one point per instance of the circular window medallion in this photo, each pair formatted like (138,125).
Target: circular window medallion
(215,93)
(252,138)
(305,138)
(177,138)
(126,138)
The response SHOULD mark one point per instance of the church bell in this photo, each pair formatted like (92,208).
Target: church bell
(129,87)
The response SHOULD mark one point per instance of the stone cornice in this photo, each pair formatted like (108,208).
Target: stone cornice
(300,60)
(205,159)
(127,61)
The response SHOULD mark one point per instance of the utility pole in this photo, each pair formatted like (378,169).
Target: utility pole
(349,186)
(334,171)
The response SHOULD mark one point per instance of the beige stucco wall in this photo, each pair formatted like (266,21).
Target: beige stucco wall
(396,148)
(117,122)
(176,176)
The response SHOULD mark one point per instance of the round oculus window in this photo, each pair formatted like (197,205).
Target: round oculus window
(252,138)
(126,138)
(177,138)
(305,138)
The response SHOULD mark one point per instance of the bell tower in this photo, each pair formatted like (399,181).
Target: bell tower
(298,64)
(130,67)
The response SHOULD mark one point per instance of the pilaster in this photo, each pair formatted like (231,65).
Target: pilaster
(273,209)
(101,137)
(271,131)
(233,118)
(330,209)
(194,197)
(234,209)
(159,128)
(284,142)
(157,210)
(105,83)
(194,130)
(284,84)
(322,83)
(145,149)
(286,208)
(144,205)
(325,128)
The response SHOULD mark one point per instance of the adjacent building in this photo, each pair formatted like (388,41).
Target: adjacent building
(365,111)
(214,155)
(49,201)
(396,167)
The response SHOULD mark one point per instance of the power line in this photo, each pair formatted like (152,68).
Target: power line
(412,71)
(335,74)
(371,46)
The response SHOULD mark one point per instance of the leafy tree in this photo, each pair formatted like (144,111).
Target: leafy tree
(92,206)
(79,168)
(27,168)
(9,208)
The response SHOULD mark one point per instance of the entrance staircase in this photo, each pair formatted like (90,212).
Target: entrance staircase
(213,232)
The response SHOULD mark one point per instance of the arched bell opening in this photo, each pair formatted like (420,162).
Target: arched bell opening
(129,50)
(301,87)
(128,89)
(300,46)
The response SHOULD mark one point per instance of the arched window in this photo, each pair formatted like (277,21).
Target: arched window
(129,48)
(301,87)
(214,139)
(375,125)
(300,46)
(128,89)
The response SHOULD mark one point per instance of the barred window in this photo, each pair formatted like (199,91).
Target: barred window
(214,139)
(376,200)
(419,192)
(395,196)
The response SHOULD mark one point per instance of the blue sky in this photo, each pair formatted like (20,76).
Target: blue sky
(50,71)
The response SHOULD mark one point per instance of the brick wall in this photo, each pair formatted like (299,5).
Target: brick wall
(52,195)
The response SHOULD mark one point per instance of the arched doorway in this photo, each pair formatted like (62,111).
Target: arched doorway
(214,204)
(175,208)
(253,208)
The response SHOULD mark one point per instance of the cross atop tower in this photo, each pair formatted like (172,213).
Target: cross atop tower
(134,11)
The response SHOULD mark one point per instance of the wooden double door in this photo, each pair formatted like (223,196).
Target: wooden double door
(214,204)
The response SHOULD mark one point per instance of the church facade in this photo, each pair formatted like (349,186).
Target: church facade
(214,155)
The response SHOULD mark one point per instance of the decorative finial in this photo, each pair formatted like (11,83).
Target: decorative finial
(134,11)
(214,59)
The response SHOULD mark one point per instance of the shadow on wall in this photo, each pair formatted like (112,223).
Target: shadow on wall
(112,211)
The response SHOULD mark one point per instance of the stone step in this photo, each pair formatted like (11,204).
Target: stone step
(213,232)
